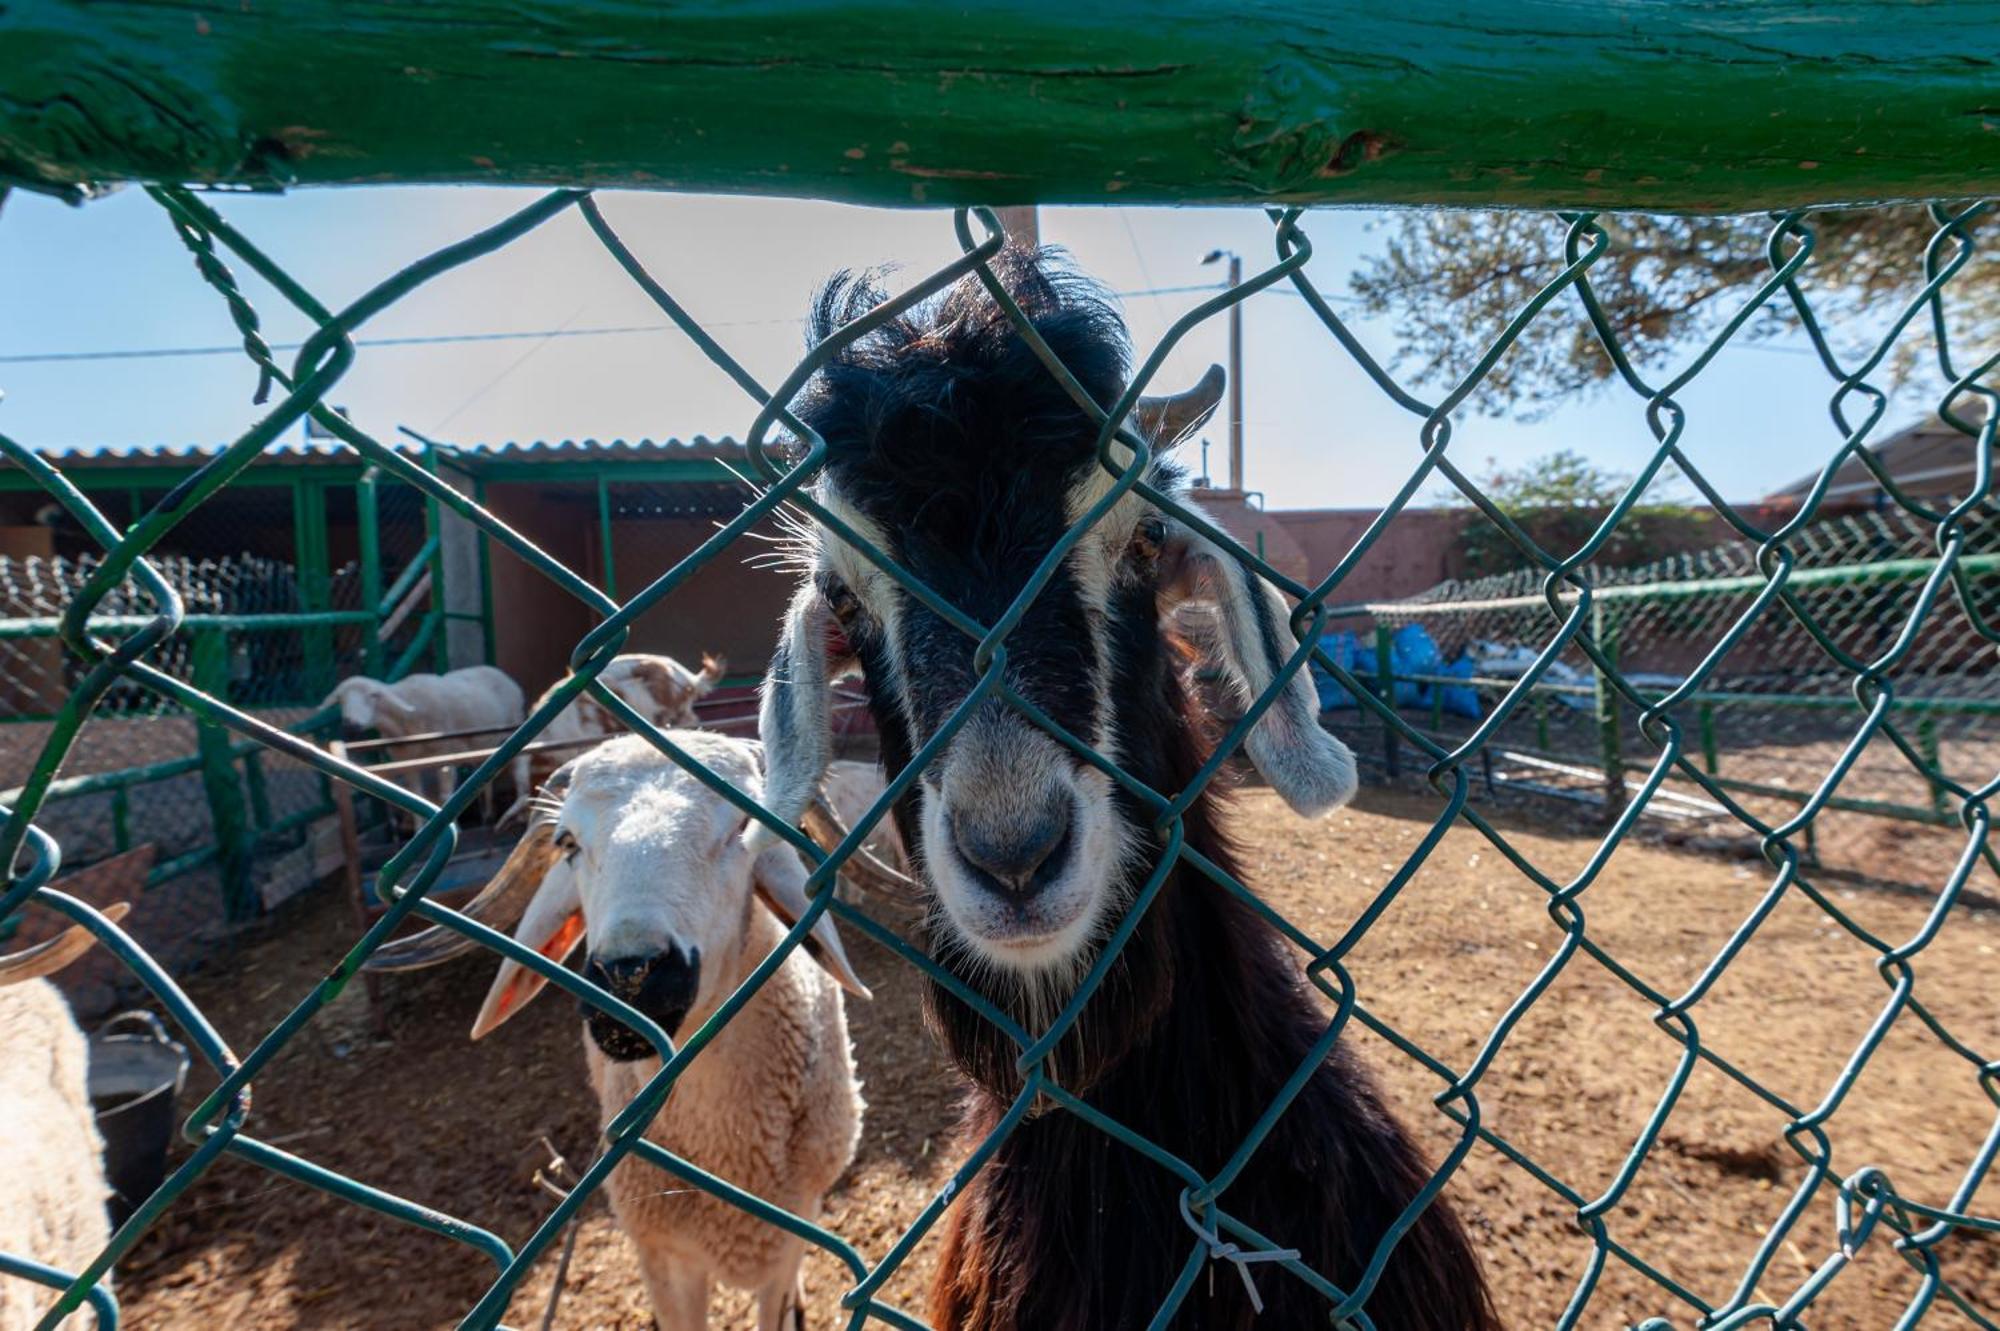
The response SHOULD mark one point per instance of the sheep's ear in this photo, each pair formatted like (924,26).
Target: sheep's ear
(1310,769)
(553,926)
(793,717)
(780,878)
(1168,420)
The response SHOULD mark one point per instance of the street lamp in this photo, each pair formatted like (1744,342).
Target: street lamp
(1235,365)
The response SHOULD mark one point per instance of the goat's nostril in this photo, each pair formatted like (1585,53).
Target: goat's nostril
(1023,858)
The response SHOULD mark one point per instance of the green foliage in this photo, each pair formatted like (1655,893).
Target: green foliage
(1451,280)
(1559,499)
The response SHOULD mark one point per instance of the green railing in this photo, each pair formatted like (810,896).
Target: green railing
(1871,1211)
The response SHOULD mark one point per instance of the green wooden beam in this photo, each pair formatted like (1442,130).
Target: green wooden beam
(1723,105)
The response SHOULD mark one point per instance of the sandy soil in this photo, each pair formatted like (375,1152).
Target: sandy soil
(461,1126)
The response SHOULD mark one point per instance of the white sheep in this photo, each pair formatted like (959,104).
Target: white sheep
(649,865)
(52,1188)
(474,698)
(658,688)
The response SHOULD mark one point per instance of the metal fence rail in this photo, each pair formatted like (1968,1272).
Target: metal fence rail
(1570,614)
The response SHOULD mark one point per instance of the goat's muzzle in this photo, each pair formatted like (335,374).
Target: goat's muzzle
(662,986)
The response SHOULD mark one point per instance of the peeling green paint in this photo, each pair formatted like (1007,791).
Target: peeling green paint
(1627,103)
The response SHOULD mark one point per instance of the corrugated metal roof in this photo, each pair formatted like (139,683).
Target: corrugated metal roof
(325,451)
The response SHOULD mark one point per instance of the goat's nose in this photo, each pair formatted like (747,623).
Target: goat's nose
(661,985)
(1019,856)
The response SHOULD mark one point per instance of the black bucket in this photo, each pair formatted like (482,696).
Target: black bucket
(136,1075)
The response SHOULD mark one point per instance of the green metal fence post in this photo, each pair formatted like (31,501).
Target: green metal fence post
(604,535)
(368,529)
(1927,744)
(260,792)
(440,644)
(1385,679)
(485,578)
(315,582)
(1711,753)
(219,778)
(1610,743)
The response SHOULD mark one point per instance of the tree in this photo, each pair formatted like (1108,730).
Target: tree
(1559,499)
(1452,280)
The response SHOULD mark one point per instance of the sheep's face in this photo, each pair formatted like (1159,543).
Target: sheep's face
(664,883)
(368,704)
(357,698)
(952,450)
(638,857)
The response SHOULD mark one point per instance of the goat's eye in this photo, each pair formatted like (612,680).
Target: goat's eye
(1147,538)
(566,843)
(840,599)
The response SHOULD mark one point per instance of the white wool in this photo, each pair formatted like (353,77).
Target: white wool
(52,1188)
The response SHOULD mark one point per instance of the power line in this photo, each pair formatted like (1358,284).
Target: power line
(450,339)
(611,330)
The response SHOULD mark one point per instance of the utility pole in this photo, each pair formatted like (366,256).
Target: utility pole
(1235,366)
(1023,224)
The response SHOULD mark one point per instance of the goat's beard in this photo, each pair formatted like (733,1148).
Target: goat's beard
(1114,1016)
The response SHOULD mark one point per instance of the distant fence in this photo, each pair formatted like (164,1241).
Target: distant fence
(1766,727)
(270,635)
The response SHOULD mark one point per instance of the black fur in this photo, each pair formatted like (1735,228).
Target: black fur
(947,431)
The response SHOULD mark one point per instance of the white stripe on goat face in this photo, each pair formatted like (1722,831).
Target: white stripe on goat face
(1020,840)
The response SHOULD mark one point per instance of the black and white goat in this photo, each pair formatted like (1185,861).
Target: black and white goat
(953,449)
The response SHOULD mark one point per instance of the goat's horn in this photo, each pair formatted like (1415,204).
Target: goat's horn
(1168,419)
(498,906)
(47,958)
(827,830)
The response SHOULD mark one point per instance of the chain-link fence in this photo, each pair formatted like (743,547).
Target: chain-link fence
(266,632)
(1766,725)
(1573,619)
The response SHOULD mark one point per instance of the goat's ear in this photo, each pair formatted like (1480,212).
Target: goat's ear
(552,925)
(780,878)
(1168,420)
(1310,769)
(793,717)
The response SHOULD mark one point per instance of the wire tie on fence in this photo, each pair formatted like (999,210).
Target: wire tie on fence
(1222,1250)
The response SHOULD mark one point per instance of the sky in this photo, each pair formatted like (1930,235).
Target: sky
(112,275)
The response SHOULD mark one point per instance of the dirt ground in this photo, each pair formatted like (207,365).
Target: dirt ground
(461,1126)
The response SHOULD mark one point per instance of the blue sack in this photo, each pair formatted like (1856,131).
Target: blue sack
(1460,699)
(1412,651)
(1340,649)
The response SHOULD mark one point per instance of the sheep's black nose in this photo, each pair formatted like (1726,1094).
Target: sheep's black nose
(661,986)
(1017,857)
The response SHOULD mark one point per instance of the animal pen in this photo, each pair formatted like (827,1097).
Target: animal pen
(1866,663)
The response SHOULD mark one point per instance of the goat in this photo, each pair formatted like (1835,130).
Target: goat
(952,448)
(474,698)
(633,854)
(52,1185)
(658,688)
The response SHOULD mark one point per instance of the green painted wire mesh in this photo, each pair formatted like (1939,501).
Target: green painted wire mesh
(1766,725)
(1570,616)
